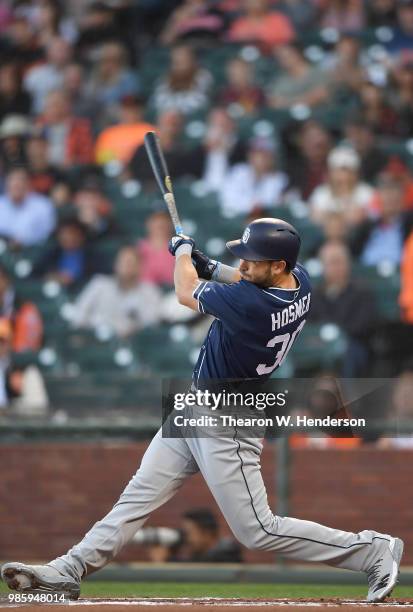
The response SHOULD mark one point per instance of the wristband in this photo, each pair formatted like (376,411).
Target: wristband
(223,273)
(183,249)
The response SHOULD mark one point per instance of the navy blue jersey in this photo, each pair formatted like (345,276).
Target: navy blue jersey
(254,328)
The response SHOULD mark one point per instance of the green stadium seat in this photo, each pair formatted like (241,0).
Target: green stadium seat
(83,351)
(279,118)
(104,390)
(318,347)
(103,357)
(46,360)
(326,37)
(154,63)
(331,115)
(385,284)
(163,351)
(105,251)
(7,257)
(311,236)
(266,71)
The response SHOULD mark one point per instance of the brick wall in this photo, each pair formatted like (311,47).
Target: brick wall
(50,494)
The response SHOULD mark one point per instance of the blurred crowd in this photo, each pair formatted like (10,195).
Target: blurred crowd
(263,104)
(197,540)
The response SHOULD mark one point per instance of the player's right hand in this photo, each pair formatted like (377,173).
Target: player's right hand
(205,267)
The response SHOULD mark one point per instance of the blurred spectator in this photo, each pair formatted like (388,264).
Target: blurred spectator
(151,16)
(14,99)
(118,142)
(21,389)
(402,96)
(186,87)
(26,217)
(403,33)
(97,26)
(24,316)
(406,278)
(381,13)
(375,110)
(162,543)
(307,161)
(262,25)
(343,15)
(75,88)
(5,17)
(180,162)
(121,302)
(325,397)
(395,170)
(341,300)
(202,540)
(13,131)
(257,184)
(343,192)
(222,148)
(361,136)
(69,262)
(211,160)
(382,239)
(241,90)
(299,83)
(198,541)
(49,22)
(42,79)
(400,412)
(94,209)
(345,75)
(335,228)
(69,138)
(111,79)
(193,19)
(157,264)
(23,46)
(43,174)
(61,194)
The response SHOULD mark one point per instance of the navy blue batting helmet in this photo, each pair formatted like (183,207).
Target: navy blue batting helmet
(267,240)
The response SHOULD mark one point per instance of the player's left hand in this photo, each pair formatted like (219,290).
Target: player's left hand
(177,241)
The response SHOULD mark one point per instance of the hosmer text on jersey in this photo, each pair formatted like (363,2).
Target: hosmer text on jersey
(291,313)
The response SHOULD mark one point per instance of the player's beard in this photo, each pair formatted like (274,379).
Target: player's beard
(262,279)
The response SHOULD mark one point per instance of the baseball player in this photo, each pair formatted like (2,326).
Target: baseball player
(259,309)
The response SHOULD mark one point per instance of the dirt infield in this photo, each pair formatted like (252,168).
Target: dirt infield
(206,604)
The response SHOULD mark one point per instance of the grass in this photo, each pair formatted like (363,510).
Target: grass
(172,589)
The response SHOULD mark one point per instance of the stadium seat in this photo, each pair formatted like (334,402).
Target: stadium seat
(153,65)
(166,350)
(318,347)
(46,359)
(384,282)
(108,390)
(86,351)
(105,251)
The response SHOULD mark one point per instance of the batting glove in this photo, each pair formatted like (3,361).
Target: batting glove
(205,267)
(181,245)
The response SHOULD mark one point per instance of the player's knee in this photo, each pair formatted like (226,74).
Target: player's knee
(250,539)
(259,535)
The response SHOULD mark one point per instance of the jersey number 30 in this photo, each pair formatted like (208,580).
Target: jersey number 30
(286,341)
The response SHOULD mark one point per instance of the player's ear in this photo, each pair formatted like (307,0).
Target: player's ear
(278,267)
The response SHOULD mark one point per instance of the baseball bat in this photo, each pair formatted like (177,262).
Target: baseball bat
(160,171)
